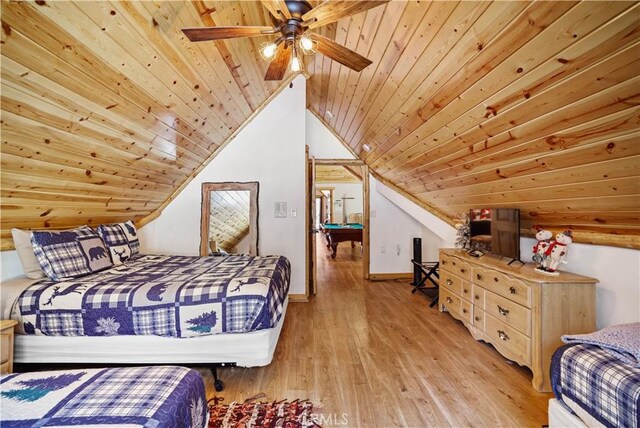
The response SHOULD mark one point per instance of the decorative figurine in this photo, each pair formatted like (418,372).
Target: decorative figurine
(544,240)
(556,253)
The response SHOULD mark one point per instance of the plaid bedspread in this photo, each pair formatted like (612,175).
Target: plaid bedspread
(177,296)
(594,384)
(141,396)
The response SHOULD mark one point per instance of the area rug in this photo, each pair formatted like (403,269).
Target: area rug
(251,414)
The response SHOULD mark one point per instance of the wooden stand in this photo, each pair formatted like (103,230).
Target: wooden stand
(522,313)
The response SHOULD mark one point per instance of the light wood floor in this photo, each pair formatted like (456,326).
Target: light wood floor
(379,355)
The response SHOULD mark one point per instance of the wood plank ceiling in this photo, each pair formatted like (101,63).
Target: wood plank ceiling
(107,109)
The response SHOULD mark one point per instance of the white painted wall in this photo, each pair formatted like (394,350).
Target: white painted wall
(353,190)
(618,269)
(258,153)
(322,143)
(10,266)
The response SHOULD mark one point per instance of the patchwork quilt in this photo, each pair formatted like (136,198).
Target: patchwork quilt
(598,387)
(175,296)
(163,396)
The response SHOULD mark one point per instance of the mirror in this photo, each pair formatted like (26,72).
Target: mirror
(229,221)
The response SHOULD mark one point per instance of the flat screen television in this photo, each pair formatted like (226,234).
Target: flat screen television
(496,231)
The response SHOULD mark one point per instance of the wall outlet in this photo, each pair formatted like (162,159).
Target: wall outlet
(398,250)
(383,250)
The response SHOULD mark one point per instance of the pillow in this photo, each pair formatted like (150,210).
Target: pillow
(71,253)
(28,260)
(121,239)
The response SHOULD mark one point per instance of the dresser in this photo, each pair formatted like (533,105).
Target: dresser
(6,346)
(521,312)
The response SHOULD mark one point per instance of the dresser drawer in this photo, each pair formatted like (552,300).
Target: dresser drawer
(450,301)
(508,312)
(516,344)
(466,311)
(456,266)
(5,347)
(452,282)
(499,283)
(477,296)
(5,368)
(478,318)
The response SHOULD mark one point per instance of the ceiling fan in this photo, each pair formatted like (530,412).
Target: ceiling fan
(293,20)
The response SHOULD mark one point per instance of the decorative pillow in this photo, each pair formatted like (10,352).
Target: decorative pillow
(28,260)
(70,253)
(121,239)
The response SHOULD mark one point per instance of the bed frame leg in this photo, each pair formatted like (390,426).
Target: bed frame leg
(217,383)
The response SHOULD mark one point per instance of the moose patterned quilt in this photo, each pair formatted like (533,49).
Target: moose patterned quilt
(175,296)
(163,396)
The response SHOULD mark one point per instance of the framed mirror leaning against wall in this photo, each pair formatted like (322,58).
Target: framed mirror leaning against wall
(229,222)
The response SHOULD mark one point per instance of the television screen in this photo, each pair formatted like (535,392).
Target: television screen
(496,230)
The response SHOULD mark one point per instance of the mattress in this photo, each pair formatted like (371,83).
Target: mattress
(171,296)
(164,396)
(599,388)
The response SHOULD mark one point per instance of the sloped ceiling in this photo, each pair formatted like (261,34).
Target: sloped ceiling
(107,110)
(336,174)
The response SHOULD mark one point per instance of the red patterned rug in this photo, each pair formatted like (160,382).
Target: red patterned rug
(250,414)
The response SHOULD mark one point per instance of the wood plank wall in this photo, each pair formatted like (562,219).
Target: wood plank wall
(107,110)
(504,104)
(107,107)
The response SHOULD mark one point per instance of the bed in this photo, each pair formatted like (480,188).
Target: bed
(163,396)
(154,309)
(593,387)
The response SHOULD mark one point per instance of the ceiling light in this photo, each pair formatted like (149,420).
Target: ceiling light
(329,114)
(296,63)
(366,147)
(268,50)
(308,44)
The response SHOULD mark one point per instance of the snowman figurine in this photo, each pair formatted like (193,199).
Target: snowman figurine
(556,253)
(544,240)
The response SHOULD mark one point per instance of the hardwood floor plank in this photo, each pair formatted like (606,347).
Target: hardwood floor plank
(371,354)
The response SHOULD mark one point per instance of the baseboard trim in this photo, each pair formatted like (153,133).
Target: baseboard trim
(298,298)
(390,276)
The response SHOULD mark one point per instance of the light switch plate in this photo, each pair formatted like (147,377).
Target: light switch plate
(294,212)
(280,210)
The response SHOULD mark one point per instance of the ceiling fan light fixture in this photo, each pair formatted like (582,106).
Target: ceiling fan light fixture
(308,44)
(296,63)
(268,50)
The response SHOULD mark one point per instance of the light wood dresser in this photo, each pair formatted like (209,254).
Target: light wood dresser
(6,346)
(522,313)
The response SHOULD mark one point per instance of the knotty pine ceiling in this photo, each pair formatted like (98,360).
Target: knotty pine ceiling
(107,109)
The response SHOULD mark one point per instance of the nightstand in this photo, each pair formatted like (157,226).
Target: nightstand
(6,346)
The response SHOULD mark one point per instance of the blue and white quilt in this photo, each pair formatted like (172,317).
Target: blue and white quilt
(164,396)
(598,387)
(174,296)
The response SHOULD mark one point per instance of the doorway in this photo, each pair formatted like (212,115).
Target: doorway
(338,202)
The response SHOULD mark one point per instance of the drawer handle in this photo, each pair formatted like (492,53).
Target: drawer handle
(449,300)
(502,310)
(478,276)
(463,270)
(477,297)
(464,311)
(495,278)
(512,290)
(477,318)
(449,282)
(444,262)
(453,263)
(502,335)
(465,291)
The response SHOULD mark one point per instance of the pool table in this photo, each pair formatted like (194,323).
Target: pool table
(336,233)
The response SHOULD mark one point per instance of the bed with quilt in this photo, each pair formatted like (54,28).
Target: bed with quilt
(163,396)
(596,379)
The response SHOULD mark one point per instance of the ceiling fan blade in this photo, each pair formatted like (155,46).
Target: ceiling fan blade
(331,11)
(343,55)
(216,33)
(278,66)
(277,8)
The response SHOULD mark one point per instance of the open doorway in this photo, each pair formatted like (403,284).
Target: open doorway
(338,200)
